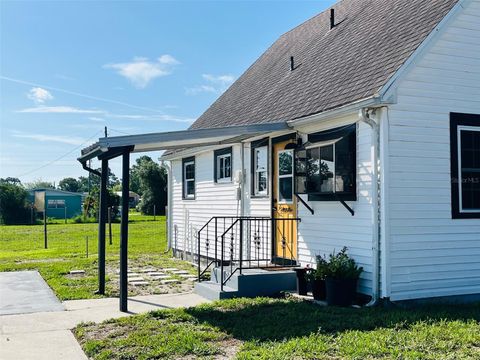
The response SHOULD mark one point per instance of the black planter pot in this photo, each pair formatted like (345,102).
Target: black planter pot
(319,289)
(340,292)
(302,286)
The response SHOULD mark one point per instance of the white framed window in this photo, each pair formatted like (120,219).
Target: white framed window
(465,165)
(56,204)
(285,176)
(325,168)
(260,170)
(189,178)
(223,165)
(468,152)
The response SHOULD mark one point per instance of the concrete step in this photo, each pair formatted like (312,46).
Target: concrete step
(211,291)
(251,283)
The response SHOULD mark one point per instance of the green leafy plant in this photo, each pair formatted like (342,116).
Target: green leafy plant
(341,266)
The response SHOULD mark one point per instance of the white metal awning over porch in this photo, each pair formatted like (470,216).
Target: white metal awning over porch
(178,139)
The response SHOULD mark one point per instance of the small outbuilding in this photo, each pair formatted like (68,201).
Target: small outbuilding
(59,204)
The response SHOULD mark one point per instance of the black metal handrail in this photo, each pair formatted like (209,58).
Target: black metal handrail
(218,222)
(246,240)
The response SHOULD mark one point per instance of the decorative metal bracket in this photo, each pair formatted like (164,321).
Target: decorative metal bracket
(305,204)
(350,210)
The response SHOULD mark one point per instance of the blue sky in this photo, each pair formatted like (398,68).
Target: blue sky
(68,69)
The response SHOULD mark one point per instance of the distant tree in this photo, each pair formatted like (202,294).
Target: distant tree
(91,203)
(39,184)
(13,204)
(69,184)
(135,181)
(11,181)
(153,186)
(94,180)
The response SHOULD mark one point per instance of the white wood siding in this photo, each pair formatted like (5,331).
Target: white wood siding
(211,199)
(332,226)
(431,254)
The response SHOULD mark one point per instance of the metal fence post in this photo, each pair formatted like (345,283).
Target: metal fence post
(45,239)
(241,246)
(198,249)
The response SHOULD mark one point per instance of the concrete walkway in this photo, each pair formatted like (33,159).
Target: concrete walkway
(25,292)
(47,335)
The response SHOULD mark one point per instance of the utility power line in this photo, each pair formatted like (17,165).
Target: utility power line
(86,96)
(60,157)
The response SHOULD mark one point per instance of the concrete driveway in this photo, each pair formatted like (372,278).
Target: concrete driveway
(23,292)
(48,335)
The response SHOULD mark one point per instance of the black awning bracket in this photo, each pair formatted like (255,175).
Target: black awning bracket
(350,210)
(305,204)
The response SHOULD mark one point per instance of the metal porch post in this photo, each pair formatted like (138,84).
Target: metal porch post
(101,227)
(124,232)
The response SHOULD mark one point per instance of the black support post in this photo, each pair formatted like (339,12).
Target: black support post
(102,212)
(124,232)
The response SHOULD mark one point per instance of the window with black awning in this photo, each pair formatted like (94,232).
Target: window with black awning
(325,166)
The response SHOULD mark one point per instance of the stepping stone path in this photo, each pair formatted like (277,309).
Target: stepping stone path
(148,270)
(171,269)
(171,281)
(77,272)
(139,283)
(160,277)
(155,273)
(188,277)
(135,279)
(180,272)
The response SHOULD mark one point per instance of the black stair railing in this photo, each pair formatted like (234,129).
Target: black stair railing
(245,243)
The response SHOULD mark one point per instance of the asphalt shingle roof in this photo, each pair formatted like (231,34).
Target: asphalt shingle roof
(371,40)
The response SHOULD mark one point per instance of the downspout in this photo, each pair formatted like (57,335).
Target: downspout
(242,180)
(365,117)
(168,165)
(90,170)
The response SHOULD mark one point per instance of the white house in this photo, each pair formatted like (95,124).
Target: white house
(358,128)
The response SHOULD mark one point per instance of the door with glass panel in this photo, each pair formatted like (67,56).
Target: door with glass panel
(284,204)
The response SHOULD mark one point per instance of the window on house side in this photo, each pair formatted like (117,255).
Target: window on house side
(469,168)
(189,179)
(465,165)
(223,167)
(326,168)
(56,204)
(261,170)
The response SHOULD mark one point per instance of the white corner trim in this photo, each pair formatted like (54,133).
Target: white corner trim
(389,89)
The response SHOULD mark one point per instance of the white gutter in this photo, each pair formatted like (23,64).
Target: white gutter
(168,165)
(242,180)
(365,117)
(373,101)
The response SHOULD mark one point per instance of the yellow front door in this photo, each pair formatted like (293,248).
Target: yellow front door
(284,203)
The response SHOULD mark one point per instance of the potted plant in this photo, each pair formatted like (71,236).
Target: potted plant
(317,278)
(341,278)
(302,278)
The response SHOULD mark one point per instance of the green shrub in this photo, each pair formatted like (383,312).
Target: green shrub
(342,266)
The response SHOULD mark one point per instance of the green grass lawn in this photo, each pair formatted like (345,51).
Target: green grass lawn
(22,248)
(287,329)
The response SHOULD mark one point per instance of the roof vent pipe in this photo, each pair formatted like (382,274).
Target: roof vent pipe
(292,64)
(332,18)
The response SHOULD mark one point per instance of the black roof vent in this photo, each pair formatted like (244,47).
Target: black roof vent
(292,64)
(332,18)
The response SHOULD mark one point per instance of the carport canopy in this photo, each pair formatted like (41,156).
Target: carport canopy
(111,147)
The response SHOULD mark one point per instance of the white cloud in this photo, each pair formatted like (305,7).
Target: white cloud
(163,117)
(224,80)
(141,71)
(39,95)
(215,84)
(97,119)
(71,140)
(60,110)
